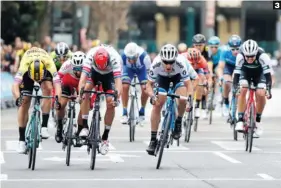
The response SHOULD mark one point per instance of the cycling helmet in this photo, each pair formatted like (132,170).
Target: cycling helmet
(37,70)
(77,59)
(131,50)
(182,47)
(168,53)
(194,54)
(214,40)
(250,48)
(101,58)
(61,49)
(198,39)
(234,41)
(95,43)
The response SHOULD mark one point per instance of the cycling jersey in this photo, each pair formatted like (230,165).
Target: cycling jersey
(206,54)
(114,65)
(229,60)
(138,68)
(32,54)
(56,58)
(67,68)
(215,58)
(181,67)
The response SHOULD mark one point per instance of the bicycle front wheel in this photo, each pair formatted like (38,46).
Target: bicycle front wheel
(251,127)
(35,143)
(132,120)
(188,125)
(94,138)
(211,108)
(163,138)
(69,138)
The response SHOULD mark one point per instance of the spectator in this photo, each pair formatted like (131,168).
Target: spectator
(36,44)
(47,44)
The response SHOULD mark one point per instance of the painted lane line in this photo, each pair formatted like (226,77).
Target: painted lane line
(2,160)
(266,177)
(3,177)
(171,147)
(12,145)
(230,145)
(139,179)
(111,147)
(227,158)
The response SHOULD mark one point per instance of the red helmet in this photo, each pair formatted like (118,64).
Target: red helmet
(101,59)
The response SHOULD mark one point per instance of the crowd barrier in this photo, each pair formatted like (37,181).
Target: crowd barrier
(6,95)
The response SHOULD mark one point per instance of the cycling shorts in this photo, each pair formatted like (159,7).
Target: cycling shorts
(228,69)
(164,82)
(128,75)
(247,77)
(69,84)
(107,80)
(199,71)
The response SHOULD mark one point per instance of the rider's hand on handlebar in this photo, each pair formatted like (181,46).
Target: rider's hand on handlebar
(19,101)
(153,100)
(57,103)
(268,93)
(221,81)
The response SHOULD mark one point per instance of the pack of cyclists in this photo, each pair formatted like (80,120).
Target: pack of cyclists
(191,70)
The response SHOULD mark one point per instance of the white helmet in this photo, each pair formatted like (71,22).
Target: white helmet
(250,48)
(78,59)
(61,49)
(182,47)
(131,49)
(168,53)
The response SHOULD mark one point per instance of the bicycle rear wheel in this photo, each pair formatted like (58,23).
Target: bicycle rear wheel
(35,142)
(235,133)
(132,120)
(251,128)
(29,157)
(211,108)
(196,124)
(163,138)
(69,138)
(94,138)
(188,124)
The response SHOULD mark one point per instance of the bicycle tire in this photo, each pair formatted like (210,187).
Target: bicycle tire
(35,139)
(163,139)
(211,108)
(132,120)
(235,133)
(29,158)
(188,127)
(196,124)
(94,138)
(251,128)
(69,138)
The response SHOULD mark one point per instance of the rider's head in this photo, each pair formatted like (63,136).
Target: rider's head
(37,70)
(199,42)
(182,47)
(168,55)
(61,51)
(131,52)
(234,43)
(250,49)
(194,55)
(214,43)
(77,62)
(101,58)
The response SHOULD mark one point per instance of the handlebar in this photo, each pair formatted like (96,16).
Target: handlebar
(99,93)
(38,96)
(173,95)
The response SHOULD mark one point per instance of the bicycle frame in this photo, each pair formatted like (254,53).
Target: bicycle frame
(170,107)
(250,101)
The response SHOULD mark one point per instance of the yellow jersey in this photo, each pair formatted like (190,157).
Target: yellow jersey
(31,55)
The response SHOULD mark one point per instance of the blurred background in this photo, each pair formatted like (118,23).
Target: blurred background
(84,24)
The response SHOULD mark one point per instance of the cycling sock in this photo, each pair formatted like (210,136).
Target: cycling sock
(141,112)
(85,121)
(204,102)
(125,111)
(22,133)
(226,101)
(240,116)
(153,135)
(105,133)
(197,103)
(179,119)
(45,118)
(80,127)
(258,118)
(60,124)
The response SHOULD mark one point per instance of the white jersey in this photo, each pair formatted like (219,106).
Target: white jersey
(181,66)
(67,68)
(143,60)
(114,66)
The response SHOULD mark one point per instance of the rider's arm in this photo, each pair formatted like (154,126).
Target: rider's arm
(147,62)
(237,71)
(51,67)
(264,59)
(86,72)
(221,65)
(149,88)
(152,75)
(210,67)
(65,69)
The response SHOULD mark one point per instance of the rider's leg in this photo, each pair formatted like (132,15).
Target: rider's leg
(127,76)
(142,76)
(199,91)
(226,90)
(241,102)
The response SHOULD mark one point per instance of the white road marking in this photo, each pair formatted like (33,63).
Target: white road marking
(12,145)
(111,147)
(172,147)
(227,158)
(266,177)
(2,160)
(230,145)
(138,179)
(3,177)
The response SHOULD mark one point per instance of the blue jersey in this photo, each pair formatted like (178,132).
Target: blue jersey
(142,61)
(228,58)
(216,57)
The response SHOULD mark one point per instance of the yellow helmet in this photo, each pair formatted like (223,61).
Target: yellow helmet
(37,70)
(95,43)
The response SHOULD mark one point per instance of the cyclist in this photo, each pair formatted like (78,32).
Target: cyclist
(252,64)
(199,42)
(103,64)
(135,61)
(70,73)
(61,54)
(167,67)
(226,67)
(36,66)
(182,48)
(198,63)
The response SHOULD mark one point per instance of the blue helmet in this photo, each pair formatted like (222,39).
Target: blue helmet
(234,41)
(214,40)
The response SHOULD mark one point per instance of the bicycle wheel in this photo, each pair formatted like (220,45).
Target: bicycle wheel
(251,127)
(132,120)
(196,124)
(69,138)
(163,138)
(94,138)
(235,133)
(35,142)
(29,158)
(188,127)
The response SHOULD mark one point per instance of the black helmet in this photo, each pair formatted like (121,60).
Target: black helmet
(198,39)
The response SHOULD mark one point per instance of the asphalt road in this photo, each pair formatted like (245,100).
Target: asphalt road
(211,159)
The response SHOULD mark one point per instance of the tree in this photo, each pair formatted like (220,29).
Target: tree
(114,16)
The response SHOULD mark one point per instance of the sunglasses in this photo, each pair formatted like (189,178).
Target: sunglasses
(234,49)
(132,58)
(168,62)
(214,47)
(250,56)
(77,69)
